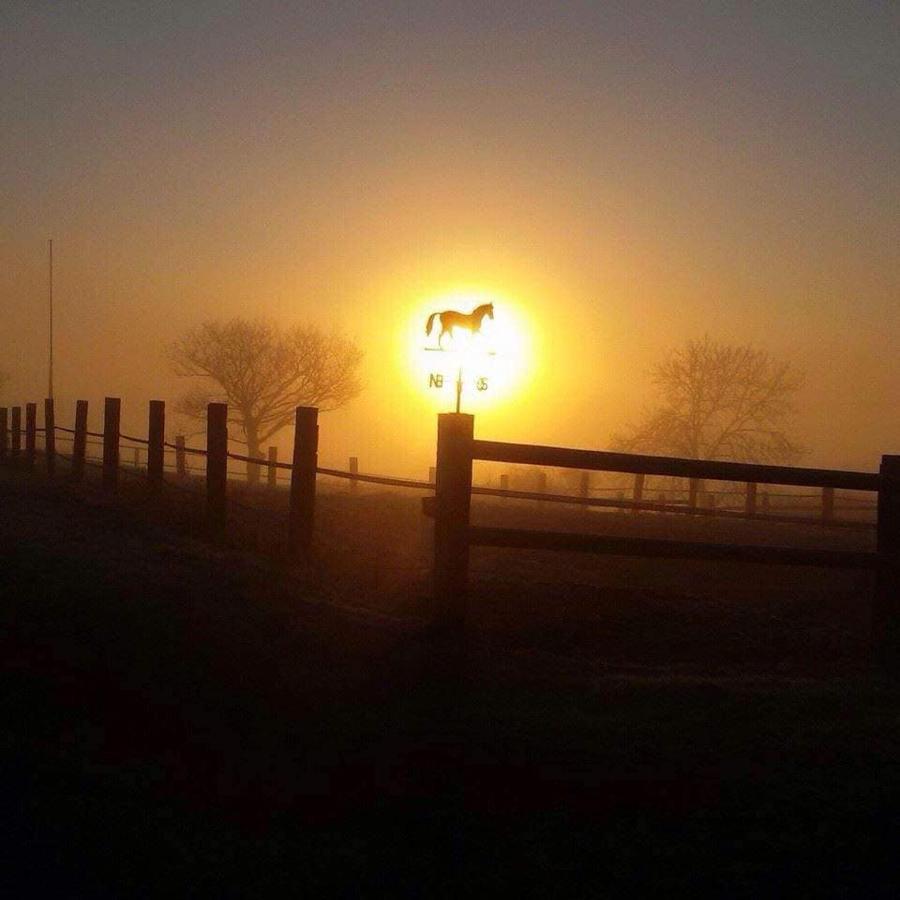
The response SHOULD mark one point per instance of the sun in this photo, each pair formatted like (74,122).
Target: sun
(491,359)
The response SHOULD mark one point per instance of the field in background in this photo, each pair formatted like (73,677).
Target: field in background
(373,550)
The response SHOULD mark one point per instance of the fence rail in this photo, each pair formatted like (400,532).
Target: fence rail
(600,460)
(454,535)
(524,539)
(451,481)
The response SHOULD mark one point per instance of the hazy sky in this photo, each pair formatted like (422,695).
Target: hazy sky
(630,174)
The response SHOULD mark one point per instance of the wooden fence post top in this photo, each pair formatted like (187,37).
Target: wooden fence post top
(307,413)
(457,417)
(455,425)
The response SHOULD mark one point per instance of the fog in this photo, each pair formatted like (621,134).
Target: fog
(625,180)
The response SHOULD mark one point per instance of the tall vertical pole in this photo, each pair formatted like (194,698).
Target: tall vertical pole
(79,442)
(750,500)
(112,409)
(638,494)
(303,479)
(828,504)
(16,431)
(30,430)
(180,457)
(272,471)
(50,386)
(693,489)
(50,436)
(216,467)
(156,443)
(886,611)
(453,492)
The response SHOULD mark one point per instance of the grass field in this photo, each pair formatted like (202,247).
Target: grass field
(188,719)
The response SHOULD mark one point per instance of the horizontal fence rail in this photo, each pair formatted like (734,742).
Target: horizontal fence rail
(524,539)
(715,470)
(457,450)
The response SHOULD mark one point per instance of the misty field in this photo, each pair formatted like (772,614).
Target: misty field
(604,611)
(181,713)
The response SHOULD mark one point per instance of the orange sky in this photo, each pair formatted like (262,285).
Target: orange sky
(627,178)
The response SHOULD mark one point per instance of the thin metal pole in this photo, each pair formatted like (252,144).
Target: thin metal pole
(50,386)
(459,387)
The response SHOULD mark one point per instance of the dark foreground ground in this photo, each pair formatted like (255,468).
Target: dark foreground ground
(190,721)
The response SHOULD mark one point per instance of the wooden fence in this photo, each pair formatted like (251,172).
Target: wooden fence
(457,449)
(302,470)
(451,483)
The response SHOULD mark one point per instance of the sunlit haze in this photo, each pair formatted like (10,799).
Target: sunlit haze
(617,179)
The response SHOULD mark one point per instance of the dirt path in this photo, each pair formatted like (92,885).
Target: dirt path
(183,719)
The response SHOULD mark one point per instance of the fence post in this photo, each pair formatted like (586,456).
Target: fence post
(584,491)
(638,492)
(272,470)
(180,457)
(30,433)
(886,617)
(750,500)
(16,442)
(79,440)
(156,443)
(354,470)
(112,411)
(50,435)
(303,479)
(693,488)
(453,497)
(216,466)
(827,504)
(4,433)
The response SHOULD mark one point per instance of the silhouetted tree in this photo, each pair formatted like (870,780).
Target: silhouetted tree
(719,401)
(263,372)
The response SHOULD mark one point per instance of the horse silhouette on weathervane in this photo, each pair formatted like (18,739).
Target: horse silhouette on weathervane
(451,319)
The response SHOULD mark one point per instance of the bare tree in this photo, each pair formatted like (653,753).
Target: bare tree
(263,372)
(719,401)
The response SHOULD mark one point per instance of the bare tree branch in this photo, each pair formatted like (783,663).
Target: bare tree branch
(719,401)
(264,372)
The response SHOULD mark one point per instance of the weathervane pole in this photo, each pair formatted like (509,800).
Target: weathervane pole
(50,386)
(459,387)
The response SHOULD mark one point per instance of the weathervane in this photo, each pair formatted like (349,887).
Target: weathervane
(451,319)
